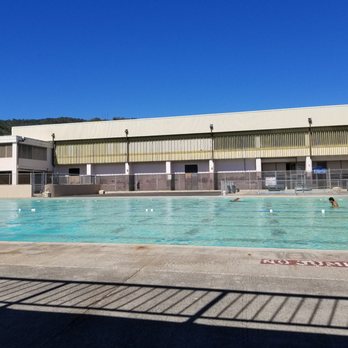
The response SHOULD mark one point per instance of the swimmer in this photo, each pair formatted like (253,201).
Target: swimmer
(334,204)
(235,200)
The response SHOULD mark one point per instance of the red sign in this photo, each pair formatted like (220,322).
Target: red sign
(315,263)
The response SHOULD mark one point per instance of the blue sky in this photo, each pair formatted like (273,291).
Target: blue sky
(159,58)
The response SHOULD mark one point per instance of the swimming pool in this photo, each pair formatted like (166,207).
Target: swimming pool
(210,221)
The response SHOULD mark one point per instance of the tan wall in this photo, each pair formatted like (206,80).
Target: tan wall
(71,190)
(15,191)
(324,116)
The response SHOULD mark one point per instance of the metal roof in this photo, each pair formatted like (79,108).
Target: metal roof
(322,116)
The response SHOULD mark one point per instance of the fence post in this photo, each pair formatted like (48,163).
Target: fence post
(31,183)
(328,183)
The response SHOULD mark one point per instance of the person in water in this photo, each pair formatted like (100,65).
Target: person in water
(235,200)
(334,204)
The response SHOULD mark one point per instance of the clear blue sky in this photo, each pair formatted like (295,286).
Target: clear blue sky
(149,58)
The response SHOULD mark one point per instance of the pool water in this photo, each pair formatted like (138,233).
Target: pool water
(301,223)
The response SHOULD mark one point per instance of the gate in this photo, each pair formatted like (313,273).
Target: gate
(38,182)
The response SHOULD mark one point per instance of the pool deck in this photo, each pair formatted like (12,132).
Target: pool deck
(104,295)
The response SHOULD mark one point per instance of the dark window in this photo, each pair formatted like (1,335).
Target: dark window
(32,152)
(24,178)
(74,171)
(321,165)
(5,178)
(191,168)
(291,166)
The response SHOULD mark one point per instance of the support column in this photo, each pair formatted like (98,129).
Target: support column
(211,166)
(170,176)
(89,169)
(308,164)
(14,164)
(213,175)
(259,173)
(131,178)
(168,167)
(89,172)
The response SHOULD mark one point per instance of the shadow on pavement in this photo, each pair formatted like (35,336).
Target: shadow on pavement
(60,313)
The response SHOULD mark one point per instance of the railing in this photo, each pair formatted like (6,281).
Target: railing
(157,182)
(224,181)
(72,179)
(269,180)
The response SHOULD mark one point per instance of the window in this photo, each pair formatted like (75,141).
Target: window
(191,168)
(74,171)
(5,178)
(32,152)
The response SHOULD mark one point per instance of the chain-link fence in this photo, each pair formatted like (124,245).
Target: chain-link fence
(285,180)
(116,182)
(225,181)
(157,182)
(270,180)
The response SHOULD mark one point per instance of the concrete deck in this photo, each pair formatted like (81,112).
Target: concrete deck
(102,295)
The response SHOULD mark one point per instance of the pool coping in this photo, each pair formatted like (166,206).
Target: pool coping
(179,246)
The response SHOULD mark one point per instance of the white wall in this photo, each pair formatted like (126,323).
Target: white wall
(273,166)
(248,164)
(64,170)
(337,164)
(179,167)
(116,168)
(156,167)
(6,164)
(334,165)
(100,169)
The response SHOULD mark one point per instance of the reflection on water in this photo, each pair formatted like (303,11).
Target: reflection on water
(252,222)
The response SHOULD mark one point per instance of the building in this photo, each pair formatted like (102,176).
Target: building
(184,152)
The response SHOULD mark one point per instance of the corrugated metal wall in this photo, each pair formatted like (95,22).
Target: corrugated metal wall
(226,146)
(170,149)
(330,142)
(330,137)
(92,152)
(284,140)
